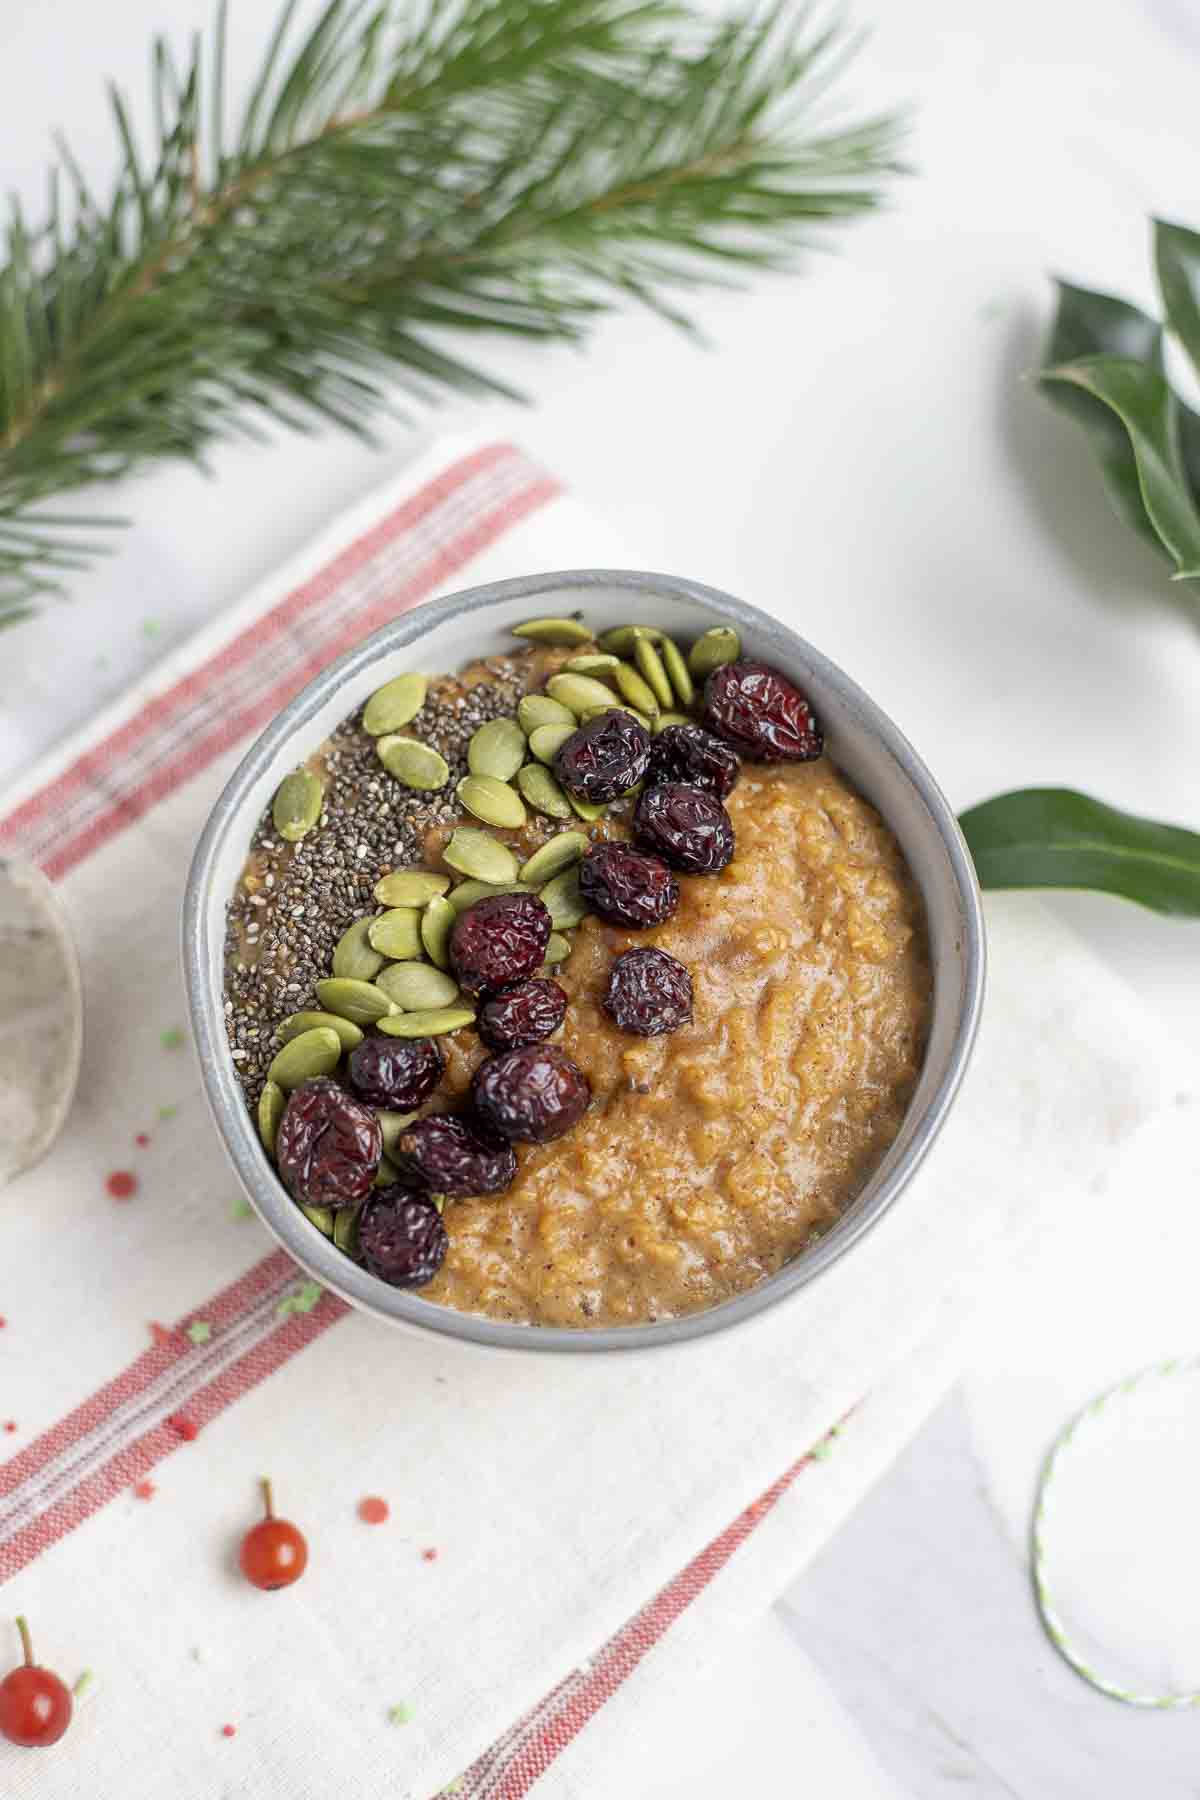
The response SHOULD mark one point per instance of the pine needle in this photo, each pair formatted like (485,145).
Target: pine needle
(404,172)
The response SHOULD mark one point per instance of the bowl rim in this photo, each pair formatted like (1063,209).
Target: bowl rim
(237,1129)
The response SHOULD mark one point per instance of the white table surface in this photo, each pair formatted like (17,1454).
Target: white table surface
(860,452)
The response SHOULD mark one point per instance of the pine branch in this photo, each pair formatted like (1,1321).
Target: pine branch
(402,175)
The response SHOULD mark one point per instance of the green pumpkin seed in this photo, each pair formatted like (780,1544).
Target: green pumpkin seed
(315,1052)
(591,665)
(720,645)
(271,1103)
(562,852)
(553,631)
(497,749)
(670,718)
(354,959)
(435,1022)
(547,740)
(392,1124)
(386,1173)
(579,691)
(397,934)
(597,712)
(347,1030)
(542,791)
(415,987)
(587,809)
(416,764)
(677,671)
(636,690)
(345,1229)
(476,853)
(557,950)
(320,1216)
(622,638)
(410,887)
(437,922)
(395,704)
(565,901)
(361,1001)
(297,805)
(468,892)
(540,709)
(492,801)
(650,665)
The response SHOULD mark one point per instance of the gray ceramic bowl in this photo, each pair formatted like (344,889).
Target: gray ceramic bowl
(443,635)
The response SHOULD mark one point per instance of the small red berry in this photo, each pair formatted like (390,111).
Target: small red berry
(35,1706)
(141,1140)
(121,1184)
(373,1510)
(274,1552)
(229,1731)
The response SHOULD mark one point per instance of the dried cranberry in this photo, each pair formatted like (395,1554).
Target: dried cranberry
(445,1155)
(401,1237)
(648,993)
(627,885)
(396,1072)
(687,826)
(498,941)
(604,758)
(688,753)
(329,1145)
(524,1014)
(532,1094)
(759,712)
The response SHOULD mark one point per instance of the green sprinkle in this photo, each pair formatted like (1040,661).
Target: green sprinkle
(199,1331)
(83,1684)
(151,627)
(168,1112)
(302,1301)
(241,1209)
(172,1038)
(822,1451)
(400,1715)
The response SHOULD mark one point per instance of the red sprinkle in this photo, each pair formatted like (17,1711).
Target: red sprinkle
(10,1424)
(429,1555)
(121,1184)
(160,1333)
(229,1731)
(141,1140)
(373,1510)
(3,1321)
(145,1490)
(187,1428)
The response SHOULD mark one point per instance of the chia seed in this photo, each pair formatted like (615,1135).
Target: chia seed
(295,900)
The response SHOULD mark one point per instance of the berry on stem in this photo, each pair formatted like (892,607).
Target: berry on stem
(274,1552)
(35,1706)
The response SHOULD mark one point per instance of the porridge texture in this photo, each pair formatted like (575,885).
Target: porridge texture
(712,1156)
(709,1155)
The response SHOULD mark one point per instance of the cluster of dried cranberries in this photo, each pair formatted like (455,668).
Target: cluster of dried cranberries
(330,1142)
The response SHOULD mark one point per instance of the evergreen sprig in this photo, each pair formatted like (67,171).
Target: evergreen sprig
(400,174)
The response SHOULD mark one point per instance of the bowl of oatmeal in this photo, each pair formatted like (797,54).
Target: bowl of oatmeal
(582,962)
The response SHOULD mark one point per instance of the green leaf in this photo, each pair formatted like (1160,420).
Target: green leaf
(1177,259)
(1057,838)
(1088,324)
(1140,399)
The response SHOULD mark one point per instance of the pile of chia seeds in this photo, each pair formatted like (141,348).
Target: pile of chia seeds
(281,934)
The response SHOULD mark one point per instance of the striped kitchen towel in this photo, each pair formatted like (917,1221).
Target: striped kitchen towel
(564,1539)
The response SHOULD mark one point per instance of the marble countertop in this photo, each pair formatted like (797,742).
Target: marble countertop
(867,438)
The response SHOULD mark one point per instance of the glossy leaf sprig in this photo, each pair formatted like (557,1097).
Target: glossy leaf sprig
(407,173)
(1103,364)
(1056,838)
